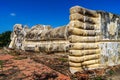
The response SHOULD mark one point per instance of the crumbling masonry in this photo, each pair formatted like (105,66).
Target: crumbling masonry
(92,39)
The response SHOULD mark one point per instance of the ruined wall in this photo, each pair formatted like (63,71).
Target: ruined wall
(110,38)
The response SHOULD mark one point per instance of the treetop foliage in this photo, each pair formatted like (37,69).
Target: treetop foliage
(5,38)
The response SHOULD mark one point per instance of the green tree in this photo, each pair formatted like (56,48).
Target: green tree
(5,38)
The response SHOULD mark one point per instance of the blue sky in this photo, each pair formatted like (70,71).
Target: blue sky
(48,12)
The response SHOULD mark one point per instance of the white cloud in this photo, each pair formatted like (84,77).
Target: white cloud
(12,14)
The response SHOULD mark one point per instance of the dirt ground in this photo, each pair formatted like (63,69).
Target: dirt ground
(21,65)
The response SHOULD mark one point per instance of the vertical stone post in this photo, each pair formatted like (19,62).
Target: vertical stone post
(84,53)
